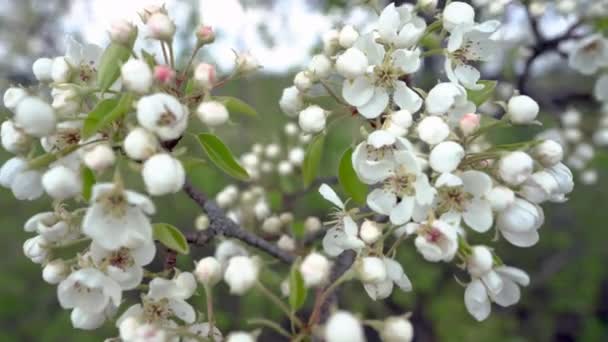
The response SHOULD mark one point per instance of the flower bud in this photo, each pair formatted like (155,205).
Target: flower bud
(272,151)
(205,76)
(480,261)
(246,63)
(261,210)
(202,222)
(515,167)
(286,243)
(285,168)
(42,69)
(589,177)
(61,182)
(519,223)
(571,118)
(208,271)
(291,101)
(272,225)
(399,122)
(312,224)
(240,336)
(296,156)
(205,35)
(136,76)
(212,113)
(446,156)
(500,198)
(397,329)
(600,137)
(99,157)
(330,42)
(55,271)
(342,326)
(584,151)
(348,36)
(286,218)
(61,70)
(456,14)
(35,117)
(291,129)
(319,66)
(312,119)
(371,270)
(163,74)
(140,144)
(433,130)
(314,269)
(302,81)
(66,101)
(123,32)
(352,63)
(12,97)
(160,27)
(469,123)
(163,175)
(241,274)
(186,284)
(549,153)
(427,6)
(522,109)
(13,139)
(227,196)
(36,249)
(370,232)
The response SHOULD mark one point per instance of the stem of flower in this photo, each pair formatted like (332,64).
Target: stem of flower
(210,317)
(269,324)
(279,303)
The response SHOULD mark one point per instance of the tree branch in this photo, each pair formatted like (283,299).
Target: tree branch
(219,224)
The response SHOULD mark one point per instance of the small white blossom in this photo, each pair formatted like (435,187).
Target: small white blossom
(589,54)
(315,269)
(291,101)
(140,144)
(12,97)
(208,271)
(99,157)
(519,223)
(312,119)
(515,167)
(433,130)
(205,75)
(522,109)
(241,274)
(162,114)
(55,271)
(212,113)
(446,156)
(457,14)
(160,27)
(397,329)
(343,327)
(163,175)
(13,138)
(61,182)
(35,117)
(42,69)
(136,76)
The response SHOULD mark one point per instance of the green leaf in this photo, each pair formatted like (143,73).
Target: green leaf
(88,179)
(221,156)
(149,58)
(236,106)
(106,112)
(297,290)
(109,66)
(349,180)
(478,97)
(171,237)
(312,159)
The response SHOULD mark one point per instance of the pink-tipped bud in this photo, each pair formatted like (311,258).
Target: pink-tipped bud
(164,74)
(205,75)
(469,123)
(122,32)
(160,27)
(205,34)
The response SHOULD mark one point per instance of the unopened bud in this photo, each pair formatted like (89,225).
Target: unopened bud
(205,75)
(123,32)
(164,74)
(205,34)
(469,123)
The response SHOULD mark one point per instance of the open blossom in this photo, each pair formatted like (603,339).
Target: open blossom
(519,223)
(449,99)
(118,218)
(437,240)
(162,114)
(381,286)
(344,234)
(79,63)
(589,54)
(373,158)
(400,26)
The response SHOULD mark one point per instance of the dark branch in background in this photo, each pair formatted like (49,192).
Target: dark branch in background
(219,224)
(290,199)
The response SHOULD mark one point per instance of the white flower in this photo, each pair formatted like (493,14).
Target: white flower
(500,285)
(88,290)
(136,76)
(35,117)
(61,182)
(382,288)
(296,156)
(162,114)
(465,197)
(551,184)
(433,130)
(352,63)
(140,144)
(246,63)
(124,265)
(320,66)
(370,232)
(450,99)
(55,271)
(36,249)
(348,36)
(330,42)
(203,330)
(291,101)
(343,327)
(312,119)
(272,225)
(343,235)
(99,157)
(436,240)
(373,158)
(589,54)
(205,75)
(458,14)
(66,101)
(85,320)
(315,269)
(160,27)
(117,218)
(212,113)
(13,138)
(228,249)
(500,198)
(515,167)
(522,109)
(480,261)
(399,122)
(446,156)
(163,175)
(80,60)
(12,97)
(286,243)
(302,81)
(240,336)
(371,270)
(208,271)
(600,90)
(49,226)
(519,223)
(312,224)
(399,26)
(405,189)
(42,69)
(241,274)
(549,153)
(397,329)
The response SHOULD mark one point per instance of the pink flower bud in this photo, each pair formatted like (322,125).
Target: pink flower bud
(205,34)
(122,32)
(469,123)
(164,74)
(160,27)
(205,75)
